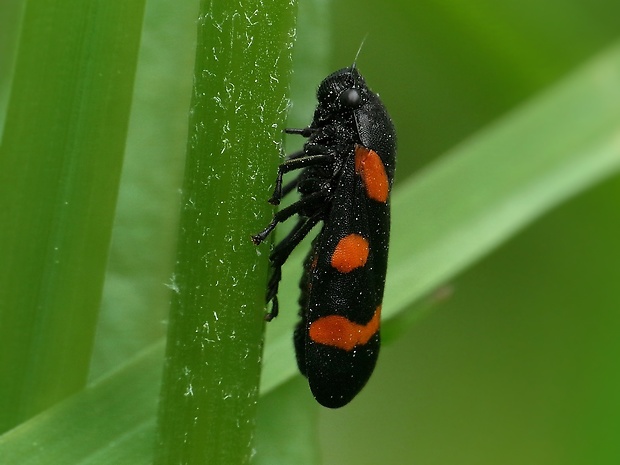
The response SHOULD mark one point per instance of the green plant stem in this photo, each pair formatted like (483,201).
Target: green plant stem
(60,162)
(210,384)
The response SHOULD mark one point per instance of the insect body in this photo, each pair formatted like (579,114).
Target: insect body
(347,168)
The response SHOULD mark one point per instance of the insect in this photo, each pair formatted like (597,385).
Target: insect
(347,169)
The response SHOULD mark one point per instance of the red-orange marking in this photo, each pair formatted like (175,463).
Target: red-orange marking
(338,331)
(370,167)
(350,253)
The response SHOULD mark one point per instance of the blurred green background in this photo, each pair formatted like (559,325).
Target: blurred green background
(521,364)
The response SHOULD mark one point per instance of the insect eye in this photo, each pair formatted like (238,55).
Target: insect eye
(350,98)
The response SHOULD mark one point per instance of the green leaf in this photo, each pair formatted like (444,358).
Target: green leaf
(499,181)
(136,296)
(60,163)
(278,443)
(111,421)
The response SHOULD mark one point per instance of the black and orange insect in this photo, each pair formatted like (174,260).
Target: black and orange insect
(347,168)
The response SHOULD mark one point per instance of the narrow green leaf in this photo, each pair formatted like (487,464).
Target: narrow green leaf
(136,299)
(112,421)
(60,162)
(276,442)
(495,184)
(10,23)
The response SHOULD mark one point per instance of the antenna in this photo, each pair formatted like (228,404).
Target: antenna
(359,50)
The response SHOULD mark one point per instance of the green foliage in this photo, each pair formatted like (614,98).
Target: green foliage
(505,111)
(60,163)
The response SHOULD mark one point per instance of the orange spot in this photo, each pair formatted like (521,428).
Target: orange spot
(350,253)
(370,167)
(338,331)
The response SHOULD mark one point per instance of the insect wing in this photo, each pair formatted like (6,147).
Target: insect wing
(338,339)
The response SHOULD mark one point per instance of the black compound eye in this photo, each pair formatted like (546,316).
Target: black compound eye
(350,98)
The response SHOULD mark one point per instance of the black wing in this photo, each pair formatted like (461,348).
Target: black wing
(337,340)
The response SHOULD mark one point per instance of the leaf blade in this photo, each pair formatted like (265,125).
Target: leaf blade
(503,179)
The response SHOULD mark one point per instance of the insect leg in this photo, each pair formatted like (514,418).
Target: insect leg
(295,164)
(279,256)
(294,155)
(300,153)
(316,198)
(305,132)
(288,188)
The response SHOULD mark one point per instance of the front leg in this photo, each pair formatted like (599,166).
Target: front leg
(305,132)
(311,202)
(295,164)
